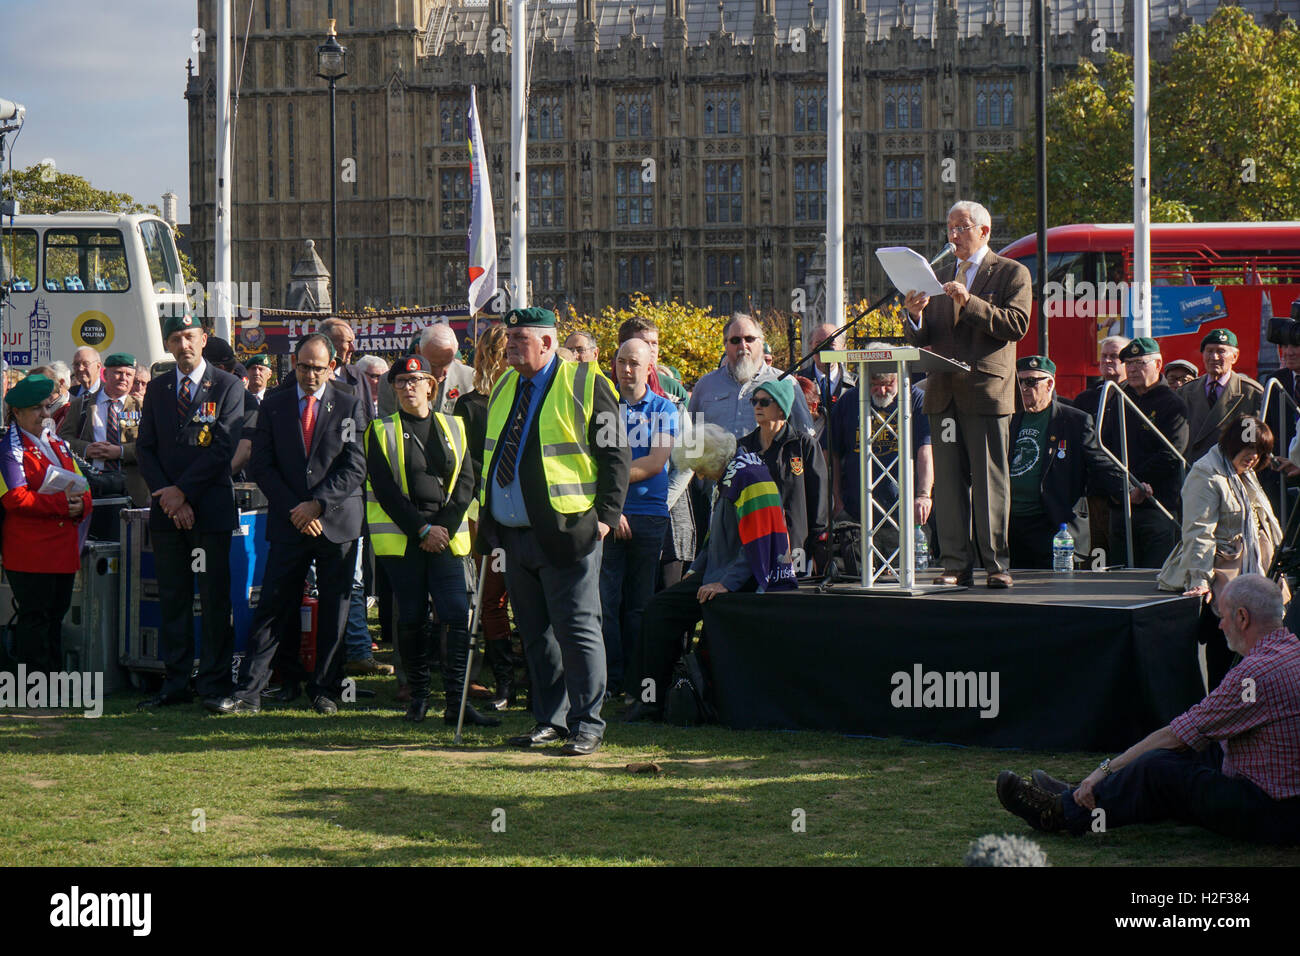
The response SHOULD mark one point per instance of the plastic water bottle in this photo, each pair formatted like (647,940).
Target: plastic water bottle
(1063,550)
(922,549)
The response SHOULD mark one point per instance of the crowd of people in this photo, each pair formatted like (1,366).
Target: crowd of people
(600,502)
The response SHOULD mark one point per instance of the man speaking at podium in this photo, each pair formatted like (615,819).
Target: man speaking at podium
(983,312)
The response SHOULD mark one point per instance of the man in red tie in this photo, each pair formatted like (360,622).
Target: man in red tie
(308,460)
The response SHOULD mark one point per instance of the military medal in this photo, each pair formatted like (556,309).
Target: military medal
(209,412)
(205,436)
(796,466)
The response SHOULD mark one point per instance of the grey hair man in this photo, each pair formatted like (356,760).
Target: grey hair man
(86,369)
(452,377)
(1227,764)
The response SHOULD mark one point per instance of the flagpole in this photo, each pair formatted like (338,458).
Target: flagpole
(518,157)
(221,241)
(1141,292)
(834,311)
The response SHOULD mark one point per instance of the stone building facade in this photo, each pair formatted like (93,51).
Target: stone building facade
(676,147)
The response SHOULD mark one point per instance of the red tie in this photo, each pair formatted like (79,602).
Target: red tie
(308,421)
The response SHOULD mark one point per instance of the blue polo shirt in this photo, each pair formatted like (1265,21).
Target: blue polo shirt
(643,420)
(508,503)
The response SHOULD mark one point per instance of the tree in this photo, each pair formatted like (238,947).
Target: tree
(1227,94)
(690,337)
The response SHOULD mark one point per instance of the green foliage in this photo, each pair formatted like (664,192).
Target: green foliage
(1227,94)
(690,337)
(64,192)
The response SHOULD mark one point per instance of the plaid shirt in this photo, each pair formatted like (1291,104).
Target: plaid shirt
(1255,715)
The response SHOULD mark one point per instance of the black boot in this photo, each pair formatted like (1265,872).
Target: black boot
(412,645)
(454,663)
(503,672)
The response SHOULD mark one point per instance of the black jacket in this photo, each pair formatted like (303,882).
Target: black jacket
(1075,463)
(796,464)
(565,538)
(332,474)
(1149,459)
(192,455)
(472,407)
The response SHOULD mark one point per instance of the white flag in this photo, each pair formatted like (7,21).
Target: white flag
(482,242)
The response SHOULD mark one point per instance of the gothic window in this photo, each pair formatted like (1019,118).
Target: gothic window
(288,14)
(455,193)
(546,196)
(810,190)
(352,13)
(546,117)
(289,134)
(905,187)
(632,115)
(723,190)
(635,274)
(722,112)
(451,119)
(903,106)
(724,281)
(994,103)
(634,203)
(810,110)
(548,280)
(270,152)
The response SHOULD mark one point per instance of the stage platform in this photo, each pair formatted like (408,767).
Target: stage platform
(1093,661)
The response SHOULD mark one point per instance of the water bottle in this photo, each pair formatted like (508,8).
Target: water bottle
(922,549)
(1063,550)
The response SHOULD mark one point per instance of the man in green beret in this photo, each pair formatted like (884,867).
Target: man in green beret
(1150,461)
(101,426)
(1055,459)
(1219,396)
(259,375)
(554,482)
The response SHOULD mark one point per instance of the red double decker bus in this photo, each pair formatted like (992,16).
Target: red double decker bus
(1243,272)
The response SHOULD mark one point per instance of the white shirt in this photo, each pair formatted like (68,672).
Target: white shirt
(99,415)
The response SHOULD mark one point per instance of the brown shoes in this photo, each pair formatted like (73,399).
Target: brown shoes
(1040,809)
(1045,781)
(951,579)
(1000,581)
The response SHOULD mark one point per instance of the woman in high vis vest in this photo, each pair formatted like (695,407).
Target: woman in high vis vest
(419,486)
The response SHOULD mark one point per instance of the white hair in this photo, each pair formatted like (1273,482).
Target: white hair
(704,448)
(439,335)
(372,363)
(1258,595)
(61,372)
(93,351)
(978,214)
(1118,341)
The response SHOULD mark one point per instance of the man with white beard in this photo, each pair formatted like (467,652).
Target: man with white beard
(844,452)
(722,396)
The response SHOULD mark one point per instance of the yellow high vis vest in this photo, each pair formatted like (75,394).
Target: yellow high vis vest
(561,424)
(385,536)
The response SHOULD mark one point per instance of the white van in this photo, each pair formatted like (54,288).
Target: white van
(87,278)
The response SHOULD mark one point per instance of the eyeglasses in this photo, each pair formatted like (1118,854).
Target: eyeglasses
(1033,382)
(312,369)
(410,382)
(1138,362)
(761,402)
(958,230)
(737,339)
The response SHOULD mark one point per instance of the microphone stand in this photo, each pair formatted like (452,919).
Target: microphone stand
(947,249)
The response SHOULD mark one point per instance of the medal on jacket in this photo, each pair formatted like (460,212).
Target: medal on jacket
(796,466)
(209,412)
(205,436)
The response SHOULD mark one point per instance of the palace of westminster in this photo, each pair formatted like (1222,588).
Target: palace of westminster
(675,147)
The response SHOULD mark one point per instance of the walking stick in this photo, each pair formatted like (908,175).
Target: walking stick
(474,623)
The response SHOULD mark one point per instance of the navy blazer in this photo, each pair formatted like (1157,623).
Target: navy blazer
(171,452)
(348,375)
(332,473)
(1075,464)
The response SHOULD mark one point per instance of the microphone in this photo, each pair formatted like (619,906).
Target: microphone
(946,251)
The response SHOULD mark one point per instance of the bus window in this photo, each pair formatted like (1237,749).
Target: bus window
(1058,264)
(18,261)
(85,260)
(160,255)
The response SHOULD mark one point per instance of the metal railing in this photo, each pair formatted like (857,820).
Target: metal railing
(1279,433)
(1123,460)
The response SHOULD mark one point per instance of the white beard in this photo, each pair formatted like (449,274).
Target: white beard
(883,402)
(746,368)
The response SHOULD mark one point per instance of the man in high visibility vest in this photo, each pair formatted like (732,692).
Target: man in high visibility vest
(555,473)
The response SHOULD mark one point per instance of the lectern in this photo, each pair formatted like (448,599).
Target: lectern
(894,572)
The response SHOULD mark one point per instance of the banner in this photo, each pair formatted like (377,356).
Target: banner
(482,241)
(378,333)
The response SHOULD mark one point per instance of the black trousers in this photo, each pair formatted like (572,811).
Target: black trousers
(1154,537)
(1189,787)
(176,555)
(1029,538)
(43,600)
(286,573)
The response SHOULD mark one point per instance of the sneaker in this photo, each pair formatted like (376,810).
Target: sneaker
(368,668)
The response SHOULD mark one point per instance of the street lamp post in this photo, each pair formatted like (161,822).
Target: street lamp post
(332,66)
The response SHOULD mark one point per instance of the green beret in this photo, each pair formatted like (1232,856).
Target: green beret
(30,392)
(261,358)
(1138,348)
(120,360)
(781,389)
(544,318)
(1036,363)
(1220,337)
(179,323)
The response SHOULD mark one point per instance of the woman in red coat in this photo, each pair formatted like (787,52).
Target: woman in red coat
(42,531)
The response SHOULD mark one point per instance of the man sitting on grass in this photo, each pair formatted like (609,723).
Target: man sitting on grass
(1231,763)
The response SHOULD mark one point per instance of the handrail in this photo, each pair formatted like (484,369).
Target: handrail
(1123,445)
(1269,387)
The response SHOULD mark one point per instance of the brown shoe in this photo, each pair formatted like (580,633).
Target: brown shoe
(952,579)
(1040,809)
(1000,581)
(1045,781)
(368,668)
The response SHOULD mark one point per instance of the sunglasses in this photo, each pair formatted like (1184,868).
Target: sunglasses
(737,339)
(1033,382)
(761,402)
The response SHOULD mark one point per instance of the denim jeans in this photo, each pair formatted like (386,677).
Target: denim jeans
(627,582)
(357,635)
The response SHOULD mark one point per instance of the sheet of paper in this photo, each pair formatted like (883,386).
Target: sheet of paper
(909,270)
(60,481)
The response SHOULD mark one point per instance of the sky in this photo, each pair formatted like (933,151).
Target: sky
(104,84)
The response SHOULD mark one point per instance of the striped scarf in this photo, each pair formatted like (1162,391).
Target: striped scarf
(763,536)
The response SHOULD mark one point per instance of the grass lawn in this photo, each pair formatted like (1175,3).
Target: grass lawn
(290,787)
